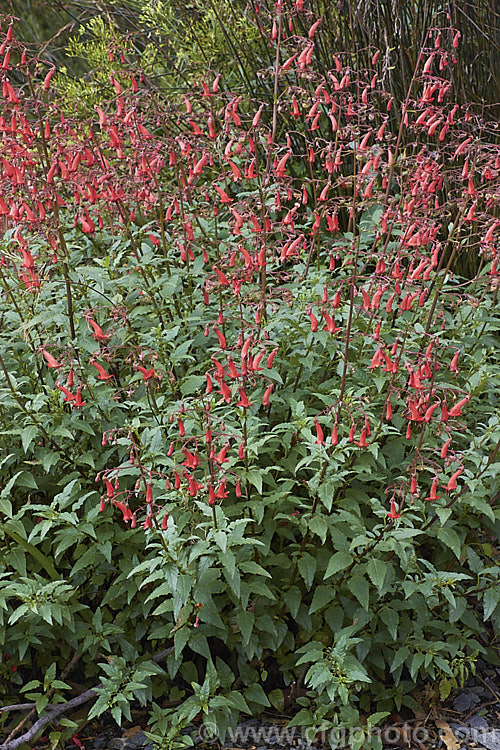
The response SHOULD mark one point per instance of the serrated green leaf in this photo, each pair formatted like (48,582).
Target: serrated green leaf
(390,618)
(358,585)
(491,597)
(338,561)
(245,622)
(28,435)
(307,568)
(322,595)
(376,570)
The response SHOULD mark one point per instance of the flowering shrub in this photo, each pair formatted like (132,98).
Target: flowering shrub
(249,412)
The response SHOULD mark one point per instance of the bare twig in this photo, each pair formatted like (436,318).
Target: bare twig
(17,707)
(54,711)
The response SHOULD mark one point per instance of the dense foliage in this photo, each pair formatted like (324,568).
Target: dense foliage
(249,414)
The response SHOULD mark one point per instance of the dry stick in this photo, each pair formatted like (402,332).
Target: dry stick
(59,710)
(17,707)
(67,669)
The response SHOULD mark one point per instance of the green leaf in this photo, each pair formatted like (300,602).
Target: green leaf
(491,597)
(292,599)
(376,570)
(238,701)
(307,568)
(245,622)
(322,595)
(390,618)
(255,694)
(319,527)
(373,719)
(254,476)
(192,384)
(198,642)
(34,552)
(451,539)
(338,561)
(400,657)
(277,699)
(28,435)
(358,585)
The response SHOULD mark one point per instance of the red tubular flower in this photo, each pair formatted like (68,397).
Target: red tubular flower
(47,79)
(78,399)
(220,370)
(413,485)
(430,411)
(320,438)
(147,374)
(225,392)
(233,372)
(330,324)
(243,402)
(246,347)
(433,495)
(103,375)
(191,461)
(269,361)
(221,338)
(376,359)
(267,393)
(257,360)
(444,412)
(362,439)
(211,495)
(444,449)
(149,494)
(68,395)
(393,512)
(221,491)
(194,486)
(314,322)
(452,484)
(453,365)
(221,457)
(456,410)
(51,361)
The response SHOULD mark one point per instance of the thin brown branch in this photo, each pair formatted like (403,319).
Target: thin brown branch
(53,711)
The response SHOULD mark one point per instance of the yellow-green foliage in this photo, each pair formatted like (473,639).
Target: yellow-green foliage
(175,44)
(93,44)
(195,36)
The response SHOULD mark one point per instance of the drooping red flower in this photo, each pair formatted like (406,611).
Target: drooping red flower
(393,513)
(51,361)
